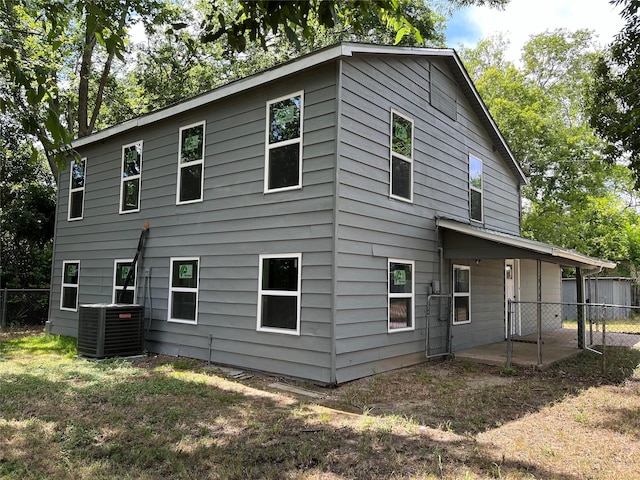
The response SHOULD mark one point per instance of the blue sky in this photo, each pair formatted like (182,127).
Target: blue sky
(523,18)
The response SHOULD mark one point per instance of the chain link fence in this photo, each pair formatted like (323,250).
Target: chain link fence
(557,329)
(23,307)
(438,325)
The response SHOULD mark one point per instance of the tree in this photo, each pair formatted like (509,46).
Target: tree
(615,93)
(173,65)
(575,198)
(56,58)
(57,55)
(27,212)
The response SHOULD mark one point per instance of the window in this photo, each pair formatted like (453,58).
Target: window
(77,176)
(191,163)
(70,282)
(461,294)
(122,268)
(401,295)
(283,159)
(401,157)
(279,293)
(131,176)
(475,188)
(183,292)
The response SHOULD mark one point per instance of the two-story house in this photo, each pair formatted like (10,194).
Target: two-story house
(300,217)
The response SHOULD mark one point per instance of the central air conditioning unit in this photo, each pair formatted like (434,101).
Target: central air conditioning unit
(110,330)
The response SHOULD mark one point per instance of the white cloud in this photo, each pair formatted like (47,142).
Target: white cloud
(523,18)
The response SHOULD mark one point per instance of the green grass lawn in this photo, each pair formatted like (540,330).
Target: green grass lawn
(64,417)
(615,325)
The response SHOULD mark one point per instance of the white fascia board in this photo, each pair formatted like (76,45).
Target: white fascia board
(579,257)
(523,243)
(348,49)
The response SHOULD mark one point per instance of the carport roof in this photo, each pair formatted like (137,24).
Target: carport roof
(465,241)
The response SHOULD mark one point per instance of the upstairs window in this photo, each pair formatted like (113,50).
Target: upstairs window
(401,295)
(77,176)
(283,158)
(461,294)
(122,269)
(475,188)
(70,284)
(183,291)
(401,157)
(131,176)
(191,163)
(279,293)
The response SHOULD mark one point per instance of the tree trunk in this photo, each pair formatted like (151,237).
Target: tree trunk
(83,87)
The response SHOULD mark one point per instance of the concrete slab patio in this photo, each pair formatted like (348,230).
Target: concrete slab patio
(556,345)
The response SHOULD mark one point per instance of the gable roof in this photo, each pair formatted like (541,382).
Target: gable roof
(328,54)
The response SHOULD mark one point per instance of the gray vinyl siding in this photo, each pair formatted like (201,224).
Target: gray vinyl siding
(372,227)
(487,306)
(228,230)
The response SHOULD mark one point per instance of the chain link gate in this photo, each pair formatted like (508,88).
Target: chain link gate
(438,326)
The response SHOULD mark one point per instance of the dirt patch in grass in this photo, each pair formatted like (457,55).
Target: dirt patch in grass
(161,417)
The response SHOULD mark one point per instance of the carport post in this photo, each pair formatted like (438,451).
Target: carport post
(580,306)
(509,342)
(539,313)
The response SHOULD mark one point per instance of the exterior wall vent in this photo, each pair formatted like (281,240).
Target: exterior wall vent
(110,330)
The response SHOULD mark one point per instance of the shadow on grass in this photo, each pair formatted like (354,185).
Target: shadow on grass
(467,398)
(115,419)
(616,365)
(154,425)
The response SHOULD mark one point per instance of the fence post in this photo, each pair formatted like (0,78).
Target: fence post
(604,342)
(509,342)
(539,313)
(3,309)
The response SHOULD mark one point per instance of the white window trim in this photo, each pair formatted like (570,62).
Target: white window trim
(460,294)
(117,289)
(183,289)
(123,180)
(189,164)
(71,285)
(74,190)
(401,157)
(284,143)
(279,293)
(475,189)
(411,295)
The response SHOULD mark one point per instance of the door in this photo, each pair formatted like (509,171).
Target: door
(510,293)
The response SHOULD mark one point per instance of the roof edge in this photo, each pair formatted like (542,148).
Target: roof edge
(330,53)
(524,243)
